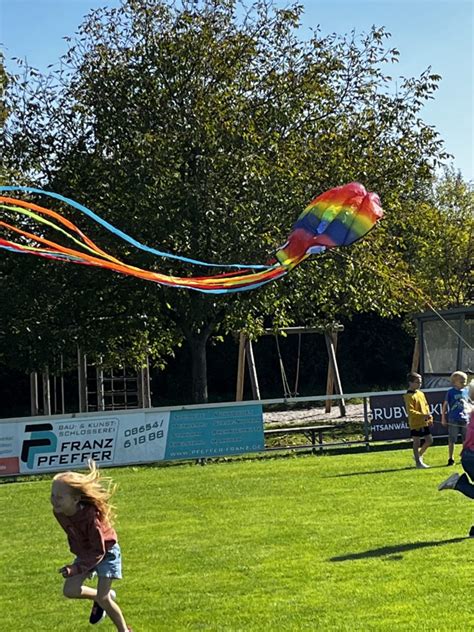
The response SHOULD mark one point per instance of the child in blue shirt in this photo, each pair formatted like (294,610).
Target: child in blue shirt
(455,411)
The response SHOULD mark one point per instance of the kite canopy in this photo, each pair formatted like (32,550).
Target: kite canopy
(338,217)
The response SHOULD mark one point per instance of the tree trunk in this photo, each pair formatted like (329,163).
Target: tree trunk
(198,343)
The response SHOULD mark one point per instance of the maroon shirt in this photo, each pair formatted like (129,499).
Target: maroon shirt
(89,537)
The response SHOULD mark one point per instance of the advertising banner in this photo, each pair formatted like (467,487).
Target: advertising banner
(389,420)
(66,443)
(142,437)
(9,450)
(215,432)
(55,443)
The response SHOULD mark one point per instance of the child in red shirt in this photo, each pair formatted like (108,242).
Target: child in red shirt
(81,505)
(461,483)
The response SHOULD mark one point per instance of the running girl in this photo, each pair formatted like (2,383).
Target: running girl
(81,505)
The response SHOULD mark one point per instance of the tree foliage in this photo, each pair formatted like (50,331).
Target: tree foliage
(204,129)
(442,243)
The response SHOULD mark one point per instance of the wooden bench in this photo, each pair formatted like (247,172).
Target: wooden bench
(311,432)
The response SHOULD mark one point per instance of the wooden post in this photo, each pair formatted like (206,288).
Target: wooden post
(63,400)
(330,375)
(54,403)
(34,404)
(366,424)
(99,380)
(333,361)
(416,356)
(252,370)
(239,394)
(146,385)
(143,383)
(82,380)
(46,392)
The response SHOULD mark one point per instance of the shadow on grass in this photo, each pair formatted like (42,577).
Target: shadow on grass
(395,469)
(394,550)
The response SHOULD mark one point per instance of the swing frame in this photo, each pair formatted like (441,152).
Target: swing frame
(333,381)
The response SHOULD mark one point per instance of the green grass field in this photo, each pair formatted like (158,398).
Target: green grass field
(347,542)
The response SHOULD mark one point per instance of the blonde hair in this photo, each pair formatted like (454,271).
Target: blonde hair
(92,488)
(412,377)
(460,374)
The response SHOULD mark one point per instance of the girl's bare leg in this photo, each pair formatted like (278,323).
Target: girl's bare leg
(104,598)
(73,588)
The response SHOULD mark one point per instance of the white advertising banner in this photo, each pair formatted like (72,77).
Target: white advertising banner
(48,444)
(9,449)
(116,440)
(142,437)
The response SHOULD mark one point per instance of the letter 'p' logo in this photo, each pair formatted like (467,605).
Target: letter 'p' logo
(41,440)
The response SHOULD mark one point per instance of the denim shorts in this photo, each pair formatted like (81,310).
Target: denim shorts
(111,564)
(455,428)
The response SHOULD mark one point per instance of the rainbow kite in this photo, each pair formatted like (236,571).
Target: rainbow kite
(338,217)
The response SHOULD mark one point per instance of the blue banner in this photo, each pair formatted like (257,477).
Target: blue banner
(389,420)
(212,432)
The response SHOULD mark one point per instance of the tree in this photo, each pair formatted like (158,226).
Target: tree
(443,242)
(206,128)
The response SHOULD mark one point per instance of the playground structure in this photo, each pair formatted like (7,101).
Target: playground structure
(444,344)
(333,381)
(98,389)
(93,388)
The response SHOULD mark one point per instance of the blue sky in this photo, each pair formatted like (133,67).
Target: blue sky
(434,33)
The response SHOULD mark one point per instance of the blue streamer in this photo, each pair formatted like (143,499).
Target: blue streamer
(126,237)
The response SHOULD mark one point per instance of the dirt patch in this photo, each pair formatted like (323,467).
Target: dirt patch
(354,412)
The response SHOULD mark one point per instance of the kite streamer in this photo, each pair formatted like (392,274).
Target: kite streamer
(338,217)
